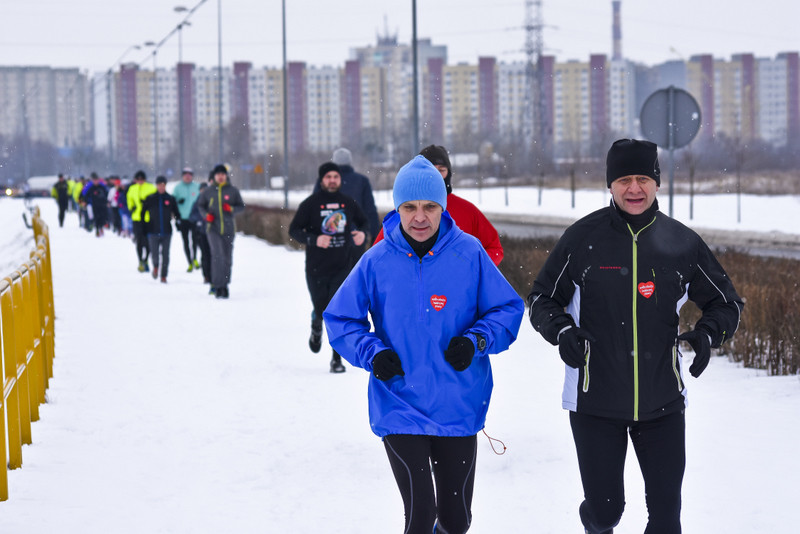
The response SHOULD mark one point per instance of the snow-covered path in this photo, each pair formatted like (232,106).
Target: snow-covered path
(173,412)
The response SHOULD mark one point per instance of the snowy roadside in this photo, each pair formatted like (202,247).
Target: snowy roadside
(173,412)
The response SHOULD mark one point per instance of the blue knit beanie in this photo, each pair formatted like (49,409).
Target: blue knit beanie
(419,180)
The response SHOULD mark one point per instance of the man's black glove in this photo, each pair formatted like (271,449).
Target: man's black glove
(459,352)
(573,345)
(701,345)
(386,364)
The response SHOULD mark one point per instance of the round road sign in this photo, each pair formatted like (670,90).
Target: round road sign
(670,118)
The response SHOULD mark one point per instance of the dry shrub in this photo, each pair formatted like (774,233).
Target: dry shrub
(270,224)
(768,337)
(769,333)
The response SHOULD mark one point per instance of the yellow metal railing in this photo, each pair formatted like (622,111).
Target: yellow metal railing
(27,345)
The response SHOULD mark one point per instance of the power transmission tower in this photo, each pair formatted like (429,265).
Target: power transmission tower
(534,125)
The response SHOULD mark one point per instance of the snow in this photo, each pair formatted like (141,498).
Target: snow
(757,213)
(173,412)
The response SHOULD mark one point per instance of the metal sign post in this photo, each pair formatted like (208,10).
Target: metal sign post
(670,118)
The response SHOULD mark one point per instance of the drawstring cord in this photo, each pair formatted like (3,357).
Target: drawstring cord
(492,445)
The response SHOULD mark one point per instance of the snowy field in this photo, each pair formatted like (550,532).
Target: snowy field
(748,213)
(173,412)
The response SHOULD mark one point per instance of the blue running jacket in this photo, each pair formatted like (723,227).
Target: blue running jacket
(416,307)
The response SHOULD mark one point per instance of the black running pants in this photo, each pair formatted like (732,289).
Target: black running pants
(660,448)
(422,464)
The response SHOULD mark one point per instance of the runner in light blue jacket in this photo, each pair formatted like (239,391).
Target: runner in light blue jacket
(439,307)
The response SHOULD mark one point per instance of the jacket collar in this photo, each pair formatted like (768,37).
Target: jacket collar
(620,222)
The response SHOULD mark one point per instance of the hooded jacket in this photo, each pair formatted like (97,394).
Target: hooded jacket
(417,305)
(333,214)
(186,195)
(134,197)
(626,290)
(60,192)
(212,199)
(357,187)
(161,209)
(470,219)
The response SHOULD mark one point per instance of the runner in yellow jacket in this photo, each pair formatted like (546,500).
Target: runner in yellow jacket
(137,192)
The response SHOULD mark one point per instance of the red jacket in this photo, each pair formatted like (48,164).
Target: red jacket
(470,219)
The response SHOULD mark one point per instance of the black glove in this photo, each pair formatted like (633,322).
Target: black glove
(386,364)
(573,346)
(459,352)
(181,200)
(701,345)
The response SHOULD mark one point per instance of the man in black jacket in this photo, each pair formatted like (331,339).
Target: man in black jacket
(331,225)
(61,193)
(162,208)
(357,186)
(622,274)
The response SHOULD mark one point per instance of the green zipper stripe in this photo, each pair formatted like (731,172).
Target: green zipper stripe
(635,329)
(635,268)
(219,207)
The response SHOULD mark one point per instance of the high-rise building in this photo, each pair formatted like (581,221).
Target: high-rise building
(143,117)
(46,104)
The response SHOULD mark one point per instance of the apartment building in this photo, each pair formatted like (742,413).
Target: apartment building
(368,102)
(47,105)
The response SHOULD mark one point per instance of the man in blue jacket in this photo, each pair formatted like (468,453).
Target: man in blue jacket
(439,307)
(186,193)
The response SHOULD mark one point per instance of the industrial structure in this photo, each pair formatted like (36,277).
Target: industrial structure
(559,109)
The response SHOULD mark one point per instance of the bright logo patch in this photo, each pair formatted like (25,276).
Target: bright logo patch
(438,302)
(646,289)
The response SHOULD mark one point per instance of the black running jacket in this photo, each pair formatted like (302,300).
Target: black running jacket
(626,289)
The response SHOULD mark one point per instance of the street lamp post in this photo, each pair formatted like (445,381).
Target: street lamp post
(180,9)
(415,114)
(155,104)
(285,115)
(219,78)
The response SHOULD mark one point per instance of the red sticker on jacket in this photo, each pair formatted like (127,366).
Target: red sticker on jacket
(646,289)
(438,302)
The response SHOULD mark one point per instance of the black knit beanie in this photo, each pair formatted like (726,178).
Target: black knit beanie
(327,167)
(437,155)
(628,157)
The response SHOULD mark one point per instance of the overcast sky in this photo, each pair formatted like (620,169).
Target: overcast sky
(93,34)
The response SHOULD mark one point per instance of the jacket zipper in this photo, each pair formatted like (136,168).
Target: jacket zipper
(421,290)
(635,268)
(219,207)
(160,216)
(421,285)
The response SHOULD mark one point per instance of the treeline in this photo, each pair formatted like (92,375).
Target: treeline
(722,164)
(769,333)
